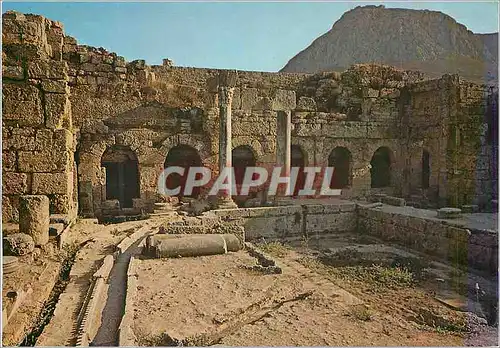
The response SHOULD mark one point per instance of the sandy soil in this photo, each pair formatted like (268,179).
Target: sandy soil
(214,297)
(36,276)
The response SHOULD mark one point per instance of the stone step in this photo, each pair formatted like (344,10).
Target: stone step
(55,229)
(163,207)
(449,213)
(60,219)
(163,213)
(470,208)
(396,201)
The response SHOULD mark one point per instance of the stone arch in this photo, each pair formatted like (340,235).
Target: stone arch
(184,156)
(196,143)
(341,160)
(381,167)
(254,145)
(426,169)
(242,156)
(298,159)
(122,174)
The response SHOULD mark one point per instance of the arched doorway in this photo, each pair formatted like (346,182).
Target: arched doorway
(298,159)
(381,168)
(122,174)
(183,156)
(340,159)
(426,169)
(242,157)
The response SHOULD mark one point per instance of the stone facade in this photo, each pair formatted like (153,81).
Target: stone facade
(78,119)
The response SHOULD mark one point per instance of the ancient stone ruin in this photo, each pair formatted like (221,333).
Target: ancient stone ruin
(87,134)
(92,132)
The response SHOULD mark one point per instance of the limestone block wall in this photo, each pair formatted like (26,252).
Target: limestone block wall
(475,162)
(426,111)
(37,133)
(475,248)
(152,109)
(359,110)
(448,118)
(56,89)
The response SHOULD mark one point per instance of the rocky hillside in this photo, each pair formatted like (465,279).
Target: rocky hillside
(411,39)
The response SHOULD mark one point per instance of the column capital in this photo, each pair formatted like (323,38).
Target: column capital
(225,95)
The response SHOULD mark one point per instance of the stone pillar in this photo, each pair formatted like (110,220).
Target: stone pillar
(283,149)
(225,99)
(34,218)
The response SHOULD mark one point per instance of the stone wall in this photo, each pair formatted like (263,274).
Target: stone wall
(60,97)
(295,221)
(442,239)
(37,132)
(476,171)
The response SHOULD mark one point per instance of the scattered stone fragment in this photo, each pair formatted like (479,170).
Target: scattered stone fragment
(18,244)
(34,218)
(449,213)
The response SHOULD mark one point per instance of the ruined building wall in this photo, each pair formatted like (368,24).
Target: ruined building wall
(448,118)
(427,109)
(65,105)
(358,110)
(37,132)
(475,128)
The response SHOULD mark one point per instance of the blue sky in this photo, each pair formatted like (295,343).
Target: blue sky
(260,36)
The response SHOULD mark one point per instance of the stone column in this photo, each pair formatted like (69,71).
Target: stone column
(34,217)
(225,149)
(283,149)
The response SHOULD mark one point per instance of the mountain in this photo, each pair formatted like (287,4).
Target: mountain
(430,41)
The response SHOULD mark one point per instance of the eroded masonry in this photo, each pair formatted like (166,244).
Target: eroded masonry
(92,132)
(87,134)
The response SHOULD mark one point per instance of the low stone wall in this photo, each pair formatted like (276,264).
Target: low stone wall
(475,248)
(293,221)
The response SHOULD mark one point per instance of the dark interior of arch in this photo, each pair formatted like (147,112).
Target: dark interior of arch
(340,160)
(298,160)
(186,157)
(381,168)
(426,169)
(242,157)
(122,175)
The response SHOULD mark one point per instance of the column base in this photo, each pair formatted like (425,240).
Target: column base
(226,203)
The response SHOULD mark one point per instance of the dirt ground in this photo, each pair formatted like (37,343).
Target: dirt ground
(213,300)
(35,277)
